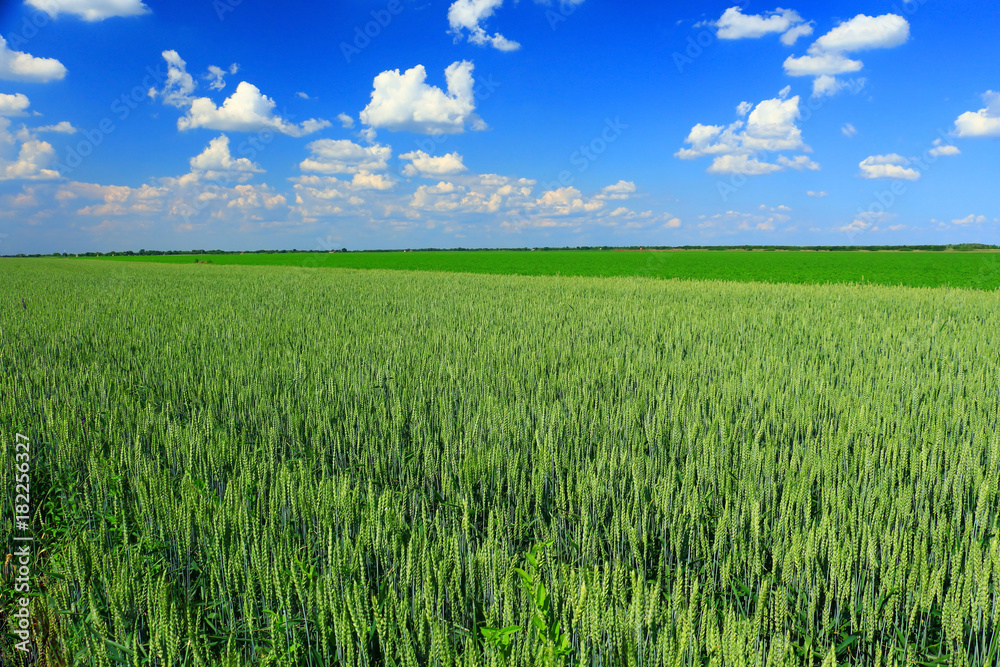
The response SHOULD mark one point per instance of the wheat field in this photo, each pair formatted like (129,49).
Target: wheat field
(285,466)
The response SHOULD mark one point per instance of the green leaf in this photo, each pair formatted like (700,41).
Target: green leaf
(846,643)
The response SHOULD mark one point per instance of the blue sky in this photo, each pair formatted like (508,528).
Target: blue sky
(490,123)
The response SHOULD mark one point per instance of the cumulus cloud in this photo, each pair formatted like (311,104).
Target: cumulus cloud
(826,56)
(343,156)
(820,64)
(246,110)
(888,166)
(179,85)
(793,34)
(13,105)
(364,180)
(830,85)
(91,10)
(565,201)
(970,219)
(940,148)
(982,123)
(620,190)
(216,161)
(741,164)
(422,164)
(19,66)
(734,24)
(216,75)
(738,147)
(466,16)
(22,154)
(32,162)
(62,127)
(864,32)
(799,162)
(407,102)
(346,121)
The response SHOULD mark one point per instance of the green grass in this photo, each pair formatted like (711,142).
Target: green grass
(288,466)
(975,270)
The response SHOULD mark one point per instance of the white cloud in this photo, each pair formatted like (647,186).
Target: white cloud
(346,121)
(887,166)
(467,15)
(828,85)
(940,148)
(864,32)
(970,219)
(422,164)
(982,123)
(22,154)
(823,63)
(342,156)
(736,148)
(13,105)
(32,161)
(826,56)
(734,24)
(91,10)
(179,85)
(216,160)
(62,127)
(818,195)
(406,102)
(216,75)
(858,225)
(303,95)
(744,108)
(620,190)
(364,180)
(741,164)
(565,201)
(246,110)
(799,162)
(848,130)
(801,30)
(19,66)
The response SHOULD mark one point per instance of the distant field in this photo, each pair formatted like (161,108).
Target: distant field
(976,270)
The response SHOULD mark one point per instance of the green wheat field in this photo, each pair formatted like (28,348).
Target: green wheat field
(285,465)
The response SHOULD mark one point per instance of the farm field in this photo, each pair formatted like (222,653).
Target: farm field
(976,270)
(278,465)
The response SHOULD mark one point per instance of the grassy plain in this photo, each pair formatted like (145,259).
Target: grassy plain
(976,270)
(288,466)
